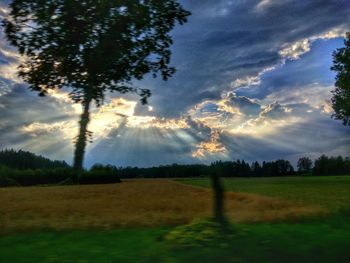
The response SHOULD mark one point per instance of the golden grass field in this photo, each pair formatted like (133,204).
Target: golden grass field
(132,203)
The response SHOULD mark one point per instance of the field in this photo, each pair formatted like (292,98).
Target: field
(330,192)
(131,203)
(273,220)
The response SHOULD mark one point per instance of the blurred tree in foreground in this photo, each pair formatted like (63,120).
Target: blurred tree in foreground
(92,46)
(341,94)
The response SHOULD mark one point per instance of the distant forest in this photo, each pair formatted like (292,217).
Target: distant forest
(322,166)
(25,168)
(26,160)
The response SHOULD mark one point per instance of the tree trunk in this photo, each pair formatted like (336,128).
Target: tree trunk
(82,137)
(218,192)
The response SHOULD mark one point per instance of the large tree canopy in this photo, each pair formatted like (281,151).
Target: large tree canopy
(92,46)
(341,94)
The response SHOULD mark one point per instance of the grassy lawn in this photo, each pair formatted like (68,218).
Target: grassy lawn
(330,192)
(321,241)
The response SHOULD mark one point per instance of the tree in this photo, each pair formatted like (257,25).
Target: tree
(91,47)
(304,165)
(219,194)
(256,169)
(322,165)
(341,94)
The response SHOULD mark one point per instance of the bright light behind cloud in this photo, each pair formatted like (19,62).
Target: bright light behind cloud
(212,146)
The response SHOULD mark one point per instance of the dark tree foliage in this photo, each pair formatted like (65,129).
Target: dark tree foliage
(21,168)
(304,165)
(242,169)
(92,46)
(341,94)
(331,165)
(278,168)
(100,174)
(25,169)
(165,171)
(238,168)
(27,160)
(29,177)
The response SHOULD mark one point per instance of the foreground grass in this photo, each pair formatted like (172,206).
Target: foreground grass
(131,203)
(318,241)
(330,192)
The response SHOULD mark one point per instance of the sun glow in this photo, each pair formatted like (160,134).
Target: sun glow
(212,146)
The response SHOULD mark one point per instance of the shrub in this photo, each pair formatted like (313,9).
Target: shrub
(100,174)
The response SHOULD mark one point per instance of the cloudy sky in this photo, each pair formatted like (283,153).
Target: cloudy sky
(253,82)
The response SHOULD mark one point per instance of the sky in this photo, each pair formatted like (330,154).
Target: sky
(253,82)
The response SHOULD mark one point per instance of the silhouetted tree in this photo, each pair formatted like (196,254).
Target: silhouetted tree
(341,94)
(92,47)
(304,165)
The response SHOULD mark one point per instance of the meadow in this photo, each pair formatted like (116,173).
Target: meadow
(330,192)
(148,202)
(156,220)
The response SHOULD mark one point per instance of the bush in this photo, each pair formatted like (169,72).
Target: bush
(58,176)
(5,177)
(99,177)
(6,181)
(100,174)
(41,176)
(201,233)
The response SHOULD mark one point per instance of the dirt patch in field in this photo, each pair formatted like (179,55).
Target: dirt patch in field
(131,203)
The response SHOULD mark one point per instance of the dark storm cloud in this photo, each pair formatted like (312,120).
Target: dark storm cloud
(228,40)
(313,67)
(244,104)
(20,107)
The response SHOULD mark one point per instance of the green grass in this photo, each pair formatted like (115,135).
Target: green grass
(331,192)
(321,241)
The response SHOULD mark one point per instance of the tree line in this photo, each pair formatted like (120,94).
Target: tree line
(25,168)
(26,160)
(324,165)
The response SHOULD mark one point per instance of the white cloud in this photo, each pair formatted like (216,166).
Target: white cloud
(263,4)
(67,128)
(245,82)
(296,49)
(314,95)
(250,81)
